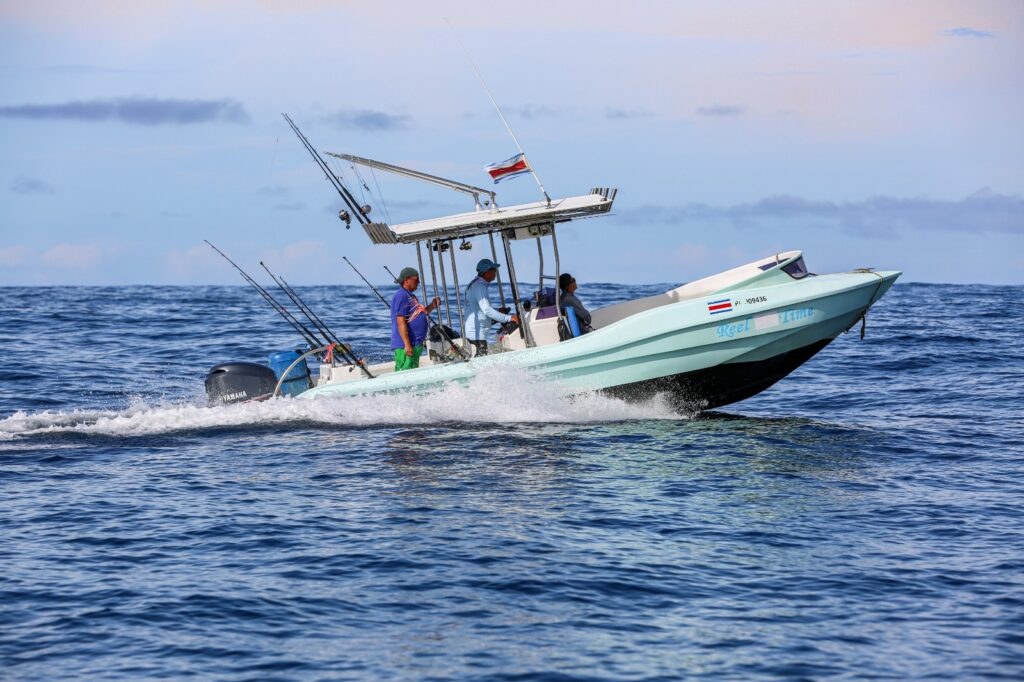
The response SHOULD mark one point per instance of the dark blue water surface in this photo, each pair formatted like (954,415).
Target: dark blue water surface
(861,519)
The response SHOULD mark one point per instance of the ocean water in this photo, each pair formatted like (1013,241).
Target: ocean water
(864,518)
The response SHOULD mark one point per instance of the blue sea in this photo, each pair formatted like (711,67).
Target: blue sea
(862,519)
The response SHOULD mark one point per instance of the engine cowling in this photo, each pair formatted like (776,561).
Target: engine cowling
(239,382)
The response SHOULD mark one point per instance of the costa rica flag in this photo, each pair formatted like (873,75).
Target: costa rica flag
(722,305)
(509,168)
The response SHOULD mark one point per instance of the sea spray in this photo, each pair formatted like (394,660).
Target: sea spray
(493,395)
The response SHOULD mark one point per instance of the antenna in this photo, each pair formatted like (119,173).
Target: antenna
(498,109)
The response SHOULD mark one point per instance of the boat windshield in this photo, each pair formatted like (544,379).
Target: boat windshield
(796,269)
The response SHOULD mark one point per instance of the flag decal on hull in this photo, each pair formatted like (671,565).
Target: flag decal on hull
(721,306)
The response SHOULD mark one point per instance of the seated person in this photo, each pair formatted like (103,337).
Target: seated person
(567,284)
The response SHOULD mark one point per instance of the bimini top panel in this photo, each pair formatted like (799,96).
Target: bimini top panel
(474,223)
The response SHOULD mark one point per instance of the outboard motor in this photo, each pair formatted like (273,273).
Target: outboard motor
(238,382)
(298,380)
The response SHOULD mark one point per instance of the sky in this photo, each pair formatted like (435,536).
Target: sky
(866,133)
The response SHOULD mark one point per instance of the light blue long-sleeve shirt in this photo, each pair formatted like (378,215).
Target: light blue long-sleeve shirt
(479,312)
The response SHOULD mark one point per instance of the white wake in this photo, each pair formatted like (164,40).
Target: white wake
(495,395)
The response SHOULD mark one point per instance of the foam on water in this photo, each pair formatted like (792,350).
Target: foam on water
(494,395)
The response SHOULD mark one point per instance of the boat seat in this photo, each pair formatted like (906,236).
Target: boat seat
(546,312)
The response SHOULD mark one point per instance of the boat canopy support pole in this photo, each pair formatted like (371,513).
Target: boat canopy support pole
(444,283)
(540,263)
(455,278)
(433,325)
(423,275)
(494,257)
(524,327)
(433,274)
(558,272)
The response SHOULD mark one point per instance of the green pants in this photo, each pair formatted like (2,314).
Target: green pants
(403,361)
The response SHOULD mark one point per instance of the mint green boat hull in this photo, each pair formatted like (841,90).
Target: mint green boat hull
(700,358)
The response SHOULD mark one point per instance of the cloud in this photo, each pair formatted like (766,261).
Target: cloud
(969,33)
(79,69)
(290,206)
(32,186)
(73,256)
(135,110)
(626,114)
(272,191)
(304,260)
(720,110)
(982,212)
(13,256)
(531,111)
(196,263)
(367,119)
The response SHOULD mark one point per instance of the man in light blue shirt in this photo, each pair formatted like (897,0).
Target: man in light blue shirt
(479,313)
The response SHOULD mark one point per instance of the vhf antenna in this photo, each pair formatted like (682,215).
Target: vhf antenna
(498,109)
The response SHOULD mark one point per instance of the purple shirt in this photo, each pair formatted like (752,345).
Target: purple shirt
(404,304)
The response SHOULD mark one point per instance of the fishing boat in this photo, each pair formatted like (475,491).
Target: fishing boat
(703,344)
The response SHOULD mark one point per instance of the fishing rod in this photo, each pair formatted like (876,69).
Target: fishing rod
(303,331)
(372,288)
(339,187)
(322,328)
(344,349)
(439,327)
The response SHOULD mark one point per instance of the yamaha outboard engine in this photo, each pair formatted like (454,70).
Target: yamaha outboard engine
(237,382)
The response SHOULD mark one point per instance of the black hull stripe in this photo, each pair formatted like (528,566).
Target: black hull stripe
(713,387)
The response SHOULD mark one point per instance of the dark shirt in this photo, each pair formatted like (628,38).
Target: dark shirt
(582,314)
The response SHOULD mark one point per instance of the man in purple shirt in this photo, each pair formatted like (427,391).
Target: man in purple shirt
(409,323)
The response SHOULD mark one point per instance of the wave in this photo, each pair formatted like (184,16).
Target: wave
(494,395)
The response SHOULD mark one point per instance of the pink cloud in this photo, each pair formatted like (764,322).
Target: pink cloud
(13,256)
(73,256)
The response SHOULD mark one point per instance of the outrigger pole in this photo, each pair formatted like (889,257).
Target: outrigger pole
(498,109)
(475,192)
(331,337)
(350,201)
(308,336)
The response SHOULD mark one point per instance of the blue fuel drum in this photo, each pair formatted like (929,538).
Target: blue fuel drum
(298,379)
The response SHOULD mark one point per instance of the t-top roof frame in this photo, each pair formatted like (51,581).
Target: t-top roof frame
(475,223)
